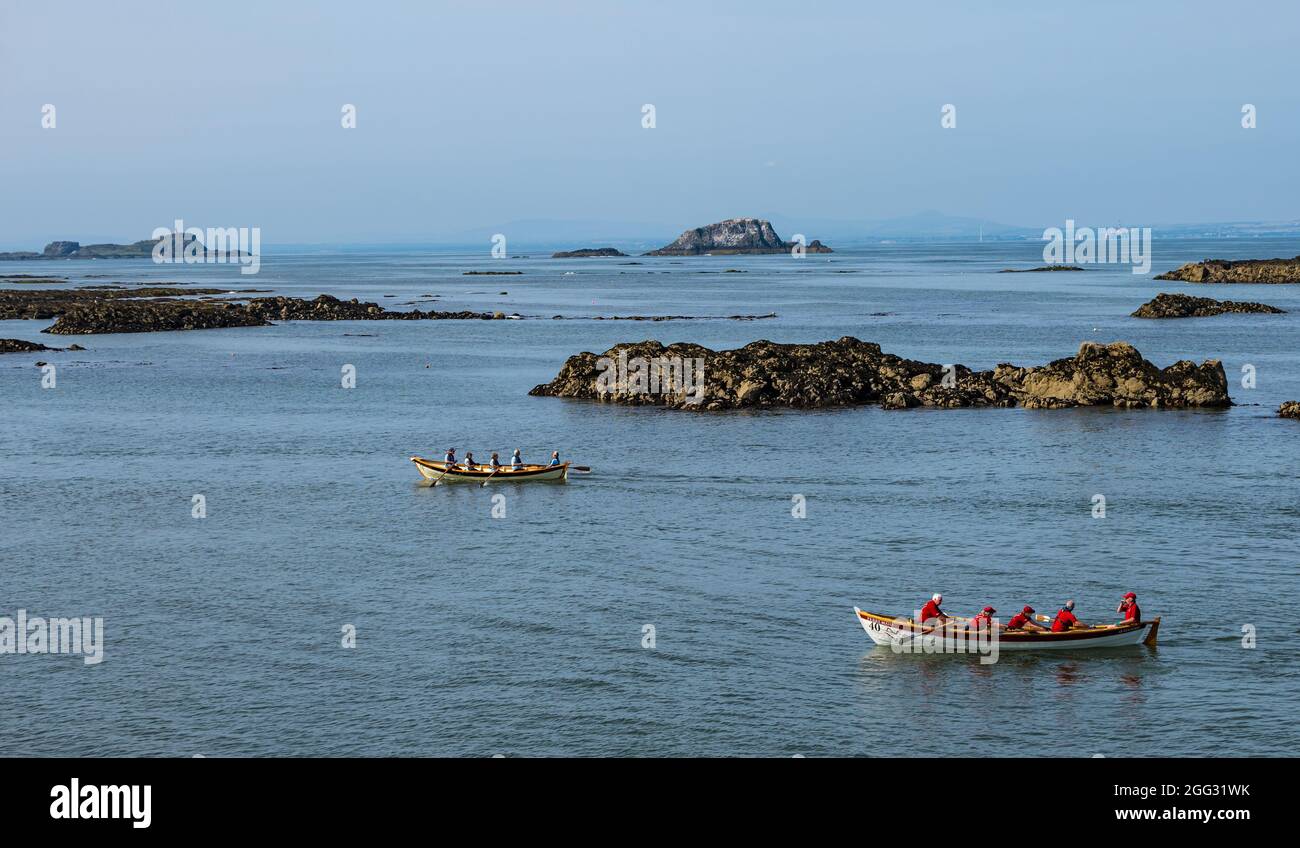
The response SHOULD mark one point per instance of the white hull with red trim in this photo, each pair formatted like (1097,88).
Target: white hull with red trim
(439,473)
(887,630)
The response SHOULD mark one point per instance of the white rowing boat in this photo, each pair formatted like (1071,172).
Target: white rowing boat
(954,638)
(439,472)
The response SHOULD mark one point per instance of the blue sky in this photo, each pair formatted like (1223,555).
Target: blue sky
(475,114)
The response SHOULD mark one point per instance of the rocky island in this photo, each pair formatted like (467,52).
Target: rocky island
(1289,409)
(733,236)
(1237,271)
(588,253)
(1185,306)
(136,250)
(851,372)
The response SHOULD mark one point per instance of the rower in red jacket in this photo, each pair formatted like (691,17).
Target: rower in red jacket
(931,611)
(1129,606)
(982,621)
(1065,619)
(1023,620)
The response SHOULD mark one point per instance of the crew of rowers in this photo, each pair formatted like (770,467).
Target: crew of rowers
(468,463)
(1025,619)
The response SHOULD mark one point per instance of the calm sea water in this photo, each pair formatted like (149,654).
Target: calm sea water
(522,635)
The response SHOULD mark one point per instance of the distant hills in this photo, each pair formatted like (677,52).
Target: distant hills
(920,227)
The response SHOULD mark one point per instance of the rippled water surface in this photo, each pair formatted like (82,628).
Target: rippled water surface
(522,635)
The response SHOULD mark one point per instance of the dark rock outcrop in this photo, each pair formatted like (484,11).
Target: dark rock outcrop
(588,253)
(1289,409)
(1186,306)
(108,309)
(20,346)
(1237,271)
(735,235)
(61,249)
(151,316)
(852,372)
(43,304)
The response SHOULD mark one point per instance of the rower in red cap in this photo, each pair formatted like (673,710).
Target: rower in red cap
(1024,620)
(1129,606)
(1065,619)
(983,621)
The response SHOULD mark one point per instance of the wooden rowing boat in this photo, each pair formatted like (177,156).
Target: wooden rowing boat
(891,630)
(439,472)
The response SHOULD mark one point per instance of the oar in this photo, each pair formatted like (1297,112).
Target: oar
(585,469)
(440,476)
(490,476)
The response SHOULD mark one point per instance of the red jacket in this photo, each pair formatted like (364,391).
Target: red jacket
(931,610)
(1017,621)
(1132,613)
(1064,621)
(983,621)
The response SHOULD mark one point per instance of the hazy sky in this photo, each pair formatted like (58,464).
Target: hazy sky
(473,114)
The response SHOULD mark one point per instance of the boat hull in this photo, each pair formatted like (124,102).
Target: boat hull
(438,472)
(887,630)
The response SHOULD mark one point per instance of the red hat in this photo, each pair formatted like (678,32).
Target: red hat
(1028,610)
(1131,597)
(989,609)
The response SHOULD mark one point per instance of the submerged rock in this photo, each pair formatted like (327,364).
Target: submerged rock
(735,235)
(852,372)
(1038,270)
(1186,306)
(1237,271)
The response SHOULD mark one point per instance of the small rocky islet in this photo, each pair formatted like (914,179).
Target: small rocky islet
(851,372)
(1185,306)
(733,236)
(1264,271)
(589,253)
(1289,409)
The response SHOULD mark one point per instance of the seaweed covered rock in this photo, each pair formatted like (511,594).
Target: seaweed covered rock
(849,372)
(1237,271)
(1186,306)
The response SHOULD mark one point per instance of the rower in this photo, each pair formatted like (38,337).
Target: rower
(515,462)
(555,458)
(1129,606)
(450,458)
(931,610)
(494,462)
(1023,620)
(470,464)
(1065,619)
(982,621)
